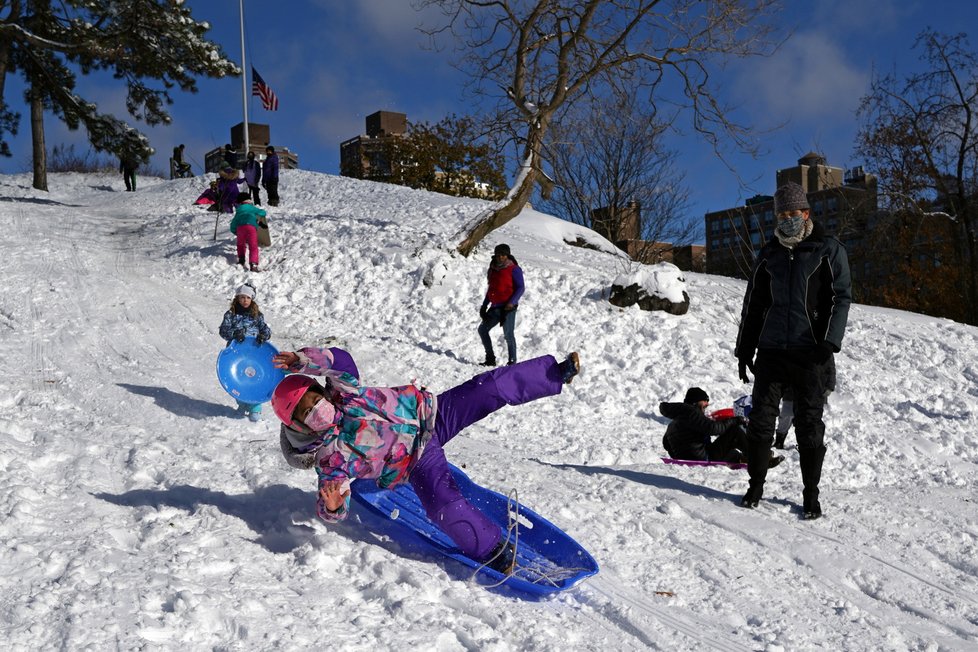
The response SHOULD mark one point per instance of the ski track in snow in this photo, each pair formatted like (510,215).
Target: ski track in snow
(139,511)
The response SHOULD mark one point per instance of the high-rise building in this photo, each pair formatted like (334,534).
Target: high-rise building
(368,156)
(844,202)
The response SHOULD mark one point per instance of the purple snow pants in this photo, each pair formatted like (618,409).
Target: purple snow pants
(471,530)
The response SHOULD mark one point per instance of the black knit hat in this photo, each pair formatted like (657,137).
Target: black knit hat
(790,197)
(695,395)
(501,249)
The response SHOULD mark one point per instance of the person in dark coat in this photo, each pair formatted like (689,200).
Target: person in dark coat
(228,189)
(500,303)
(794,318)
(252,174)
(128,165)
(230,156)
(269,174)
(692,435)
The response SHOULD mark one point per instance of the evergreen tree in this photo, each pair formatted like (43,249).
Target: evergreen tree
(152,45)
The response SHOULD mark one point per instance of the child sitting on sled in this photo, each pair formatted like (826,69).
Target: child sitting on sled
(397,434)
(692,435)
(244,319)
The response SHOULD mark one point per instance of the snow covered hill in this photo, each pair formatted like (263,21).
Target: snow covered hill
(137,511)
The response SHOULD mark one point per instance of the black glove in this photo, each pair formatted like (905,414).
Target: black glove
(822,353)
(239,335)
(483,311)
(261,339)
(743,365)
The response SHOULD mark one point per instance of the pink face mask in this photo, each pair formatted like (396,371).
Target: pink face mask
(321,416)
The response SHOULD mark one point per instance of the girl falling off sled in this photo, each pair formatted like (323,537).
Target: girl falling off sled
(397,435)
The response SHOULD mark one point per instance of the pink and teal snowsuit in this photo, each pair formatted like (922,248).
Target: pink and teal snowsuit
(397,434)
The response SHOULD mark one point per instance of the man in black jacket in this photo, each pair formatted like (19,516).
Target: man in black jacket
(794,318)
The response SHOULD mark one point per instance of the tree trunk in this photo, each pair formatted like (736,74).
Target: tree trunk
(37,139)
(4,59)
(519,198)
(501,215)
(968,218)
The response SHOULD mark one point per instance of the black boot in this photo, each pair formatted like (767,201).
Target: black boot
(753,496)
(241,261)
(503,558)
(570,368)
(758,456)
(810,460)
(779,439)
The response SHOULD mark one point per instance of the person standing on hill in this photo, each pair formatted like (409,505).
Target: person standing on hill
(128,165)
(230,156)
(269,173)
(244,319)
(794,317)
(500,303)
(252,173)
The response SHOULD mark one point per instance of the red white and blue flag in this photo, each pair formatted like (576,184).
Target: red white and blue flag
(258,87)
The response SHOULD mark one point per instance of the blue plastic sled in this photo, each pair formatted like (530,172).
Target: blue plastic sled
(669,460)
(246,371)
(548,560)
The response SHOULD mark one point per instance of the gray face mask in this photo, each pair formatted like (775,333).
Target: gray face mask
(791,226)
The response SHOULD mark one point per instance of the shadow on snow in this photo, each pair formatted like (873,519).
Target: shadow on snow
(180,404)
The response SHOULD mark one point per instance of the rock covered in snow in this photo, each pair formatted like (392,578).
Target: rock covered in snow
(654,287)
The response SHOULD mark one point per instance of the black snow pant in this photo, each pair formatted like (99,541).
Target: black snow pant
(774,372)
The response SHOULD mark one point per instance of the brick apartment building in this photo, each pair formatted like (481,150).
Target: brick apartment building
(844,202)
(622,226)
(367,156)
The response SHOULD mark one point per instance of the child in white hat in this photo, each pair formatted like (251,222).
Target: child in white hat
(242,320)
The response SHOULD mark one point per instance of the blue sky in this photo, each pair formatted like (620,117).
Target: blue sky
(332,62)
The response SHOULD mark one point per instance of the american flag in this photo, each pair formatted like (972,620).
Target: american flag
(258,87)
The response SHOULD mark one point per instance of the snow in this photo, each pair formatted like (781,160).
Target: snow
(138,511)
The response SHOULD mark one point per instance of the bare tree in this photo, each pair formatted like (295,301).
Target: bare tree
(920,134)
(614,159)
(534,57)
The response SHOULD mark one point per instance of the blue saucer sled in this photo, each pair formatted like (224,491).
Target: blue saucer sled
(548,560)
(246,371)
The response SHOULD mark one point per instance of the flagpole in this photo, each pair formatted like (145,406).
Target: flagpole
(244,82)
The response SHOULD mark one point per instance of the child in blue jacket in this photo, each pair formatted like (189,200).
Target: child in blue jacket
(242,320)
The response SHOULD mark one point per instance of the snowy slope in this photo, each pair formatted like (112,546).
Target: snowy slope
(137,511)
